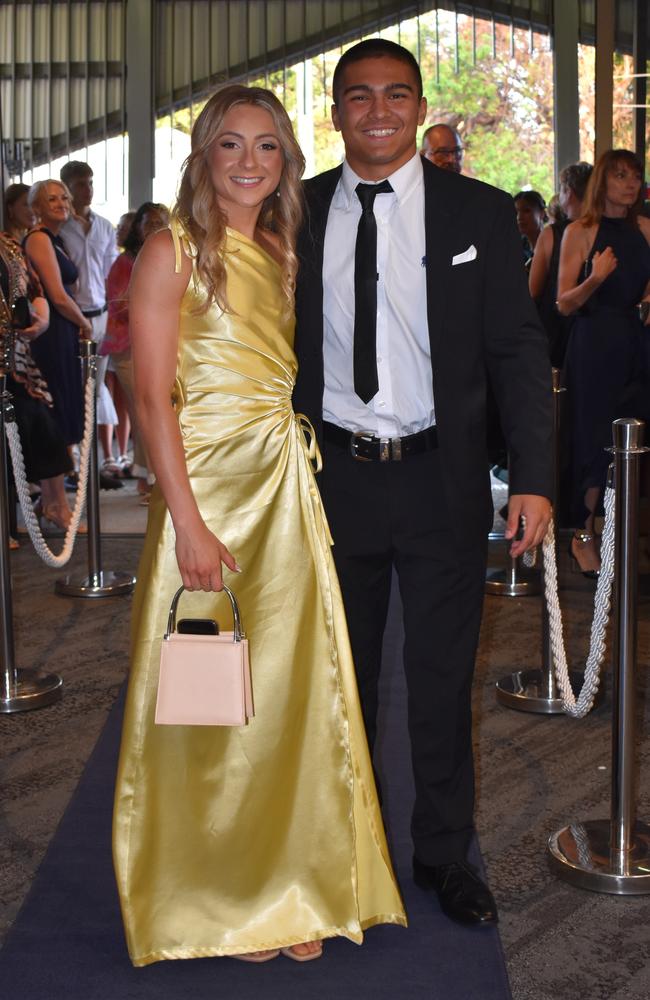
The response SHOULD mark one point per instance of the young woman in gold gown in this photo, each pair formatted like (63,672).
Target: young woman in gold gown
(240,841)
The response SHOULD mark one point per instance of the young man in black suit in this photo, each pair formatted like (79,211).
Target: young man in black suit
(411,295)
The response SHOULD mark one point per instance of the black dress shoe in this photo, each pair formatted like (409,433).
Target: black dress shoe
(463,896)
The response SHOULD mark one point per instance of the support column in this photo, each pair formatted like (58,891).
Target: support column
(605,21)
(140,120)
(565,80)
(640,52)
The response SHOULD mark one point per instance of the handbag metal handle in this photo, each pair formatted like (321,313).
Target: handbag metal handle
(238,635)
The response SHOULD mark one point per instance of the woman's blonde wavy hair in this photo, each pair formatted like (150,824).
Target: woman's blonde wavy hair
(38,195)
(197,208)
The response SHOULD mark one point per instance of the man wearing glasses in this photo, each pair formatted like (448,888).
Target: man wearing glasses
(442,145)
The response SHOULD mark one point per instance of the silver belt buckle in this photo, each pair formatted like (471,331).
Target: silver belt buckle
(390,449)
(353,445)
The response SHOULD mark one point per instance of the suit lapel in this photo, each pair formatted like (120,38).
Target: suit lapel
(438,232)
(319,192)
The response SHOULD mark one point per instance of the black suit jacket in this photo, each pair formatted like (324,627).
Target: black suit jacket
(482,325)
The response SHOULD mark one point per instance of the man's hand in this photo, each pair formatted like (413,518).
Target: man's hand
(537,511)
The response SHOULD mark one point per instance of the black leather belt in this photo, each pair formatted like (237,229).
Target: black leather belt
(92,313)
(367,448)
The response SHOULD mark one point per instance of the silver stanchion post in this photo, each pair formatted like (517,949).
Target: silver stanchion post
(536,690)
(98,582)
(614,855)
(513,581)
(21,689)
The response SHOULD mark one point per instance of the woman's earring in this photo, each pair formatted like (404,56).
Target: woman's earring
(277,193)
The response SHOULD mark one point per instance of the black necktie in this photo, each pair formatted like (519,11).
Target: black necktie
(366,382)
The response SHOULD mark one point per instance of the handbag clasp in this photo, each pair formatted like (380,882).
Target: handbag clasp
(238,634)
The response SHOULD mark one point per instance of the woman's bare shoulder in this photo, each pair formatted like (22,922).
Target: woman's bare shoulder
(37,237)
(163,254)
(578,235)
(545,241)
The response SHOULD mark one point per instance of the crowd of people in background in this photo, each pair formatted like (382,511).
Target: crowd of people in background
(587,253)
(69,269)
(588,256)
(589,272)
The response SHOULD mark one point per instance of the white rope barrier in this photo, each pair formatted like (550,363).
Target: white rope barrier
(579,707)
(18,463)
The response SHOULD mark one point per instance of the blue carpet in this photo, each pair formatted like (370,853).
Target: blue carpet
(67,942)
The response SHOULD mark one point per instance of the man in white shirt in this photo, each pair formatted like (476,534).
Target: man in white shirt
(410,294)
(90,241)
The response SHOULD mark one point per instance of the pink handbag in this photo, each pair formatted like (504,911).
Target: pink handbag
(205,680)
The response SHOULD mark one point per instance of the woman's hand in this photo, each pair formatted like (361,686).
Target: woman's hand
(35,330)
(40,313)
(603,264)
(199,554)
(85,329)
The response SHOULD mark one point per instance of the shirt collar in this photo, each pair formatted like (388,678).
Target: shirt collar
(403,182)
(76,221)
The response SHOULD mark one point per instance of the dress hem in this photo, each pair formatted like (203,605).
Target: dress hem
(355,936)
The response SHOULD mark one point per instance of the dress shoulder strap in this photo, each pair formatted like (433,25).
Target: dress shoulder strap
(176,239)
(182,244)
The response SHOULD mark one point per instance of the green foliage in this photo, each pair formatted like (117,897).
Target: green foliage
(502,107)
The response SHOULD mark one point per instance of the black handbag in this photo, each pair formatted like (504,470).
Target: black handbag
(21,315)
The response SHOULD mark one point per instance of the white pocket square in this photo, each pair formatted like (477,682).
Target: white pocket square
(463,258)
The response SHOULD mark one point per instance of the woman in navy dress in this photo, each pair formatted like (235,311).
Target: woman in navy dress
(545,265)
(56,352)
(604,277)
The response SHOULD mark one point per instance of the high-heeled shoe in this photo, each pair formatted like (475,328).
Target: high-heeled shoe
(59,516)
(583,537)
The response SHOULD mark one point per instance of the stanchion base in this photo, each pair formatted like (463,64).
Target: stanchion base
(31,690)
(581,854)
(103,584)
(527,691)
(502,583)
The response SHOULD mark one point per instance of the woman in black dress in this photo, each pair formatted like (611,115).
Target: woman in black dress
(604,276)
(57,352)
(542,280)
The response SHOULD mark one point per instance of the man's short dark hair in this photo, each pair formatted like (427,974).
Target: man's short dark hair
(576,177)
(73,170)
(374,48)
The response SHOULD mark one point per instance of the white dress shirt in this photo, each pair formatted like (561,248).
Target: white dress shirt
(404,402)
(93,253)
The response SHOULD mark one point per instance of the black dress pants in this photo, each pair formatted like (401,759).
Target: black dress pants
(386,515)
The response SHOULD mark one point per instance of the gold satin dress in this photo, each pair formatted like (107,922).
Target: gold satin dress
(230,840)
